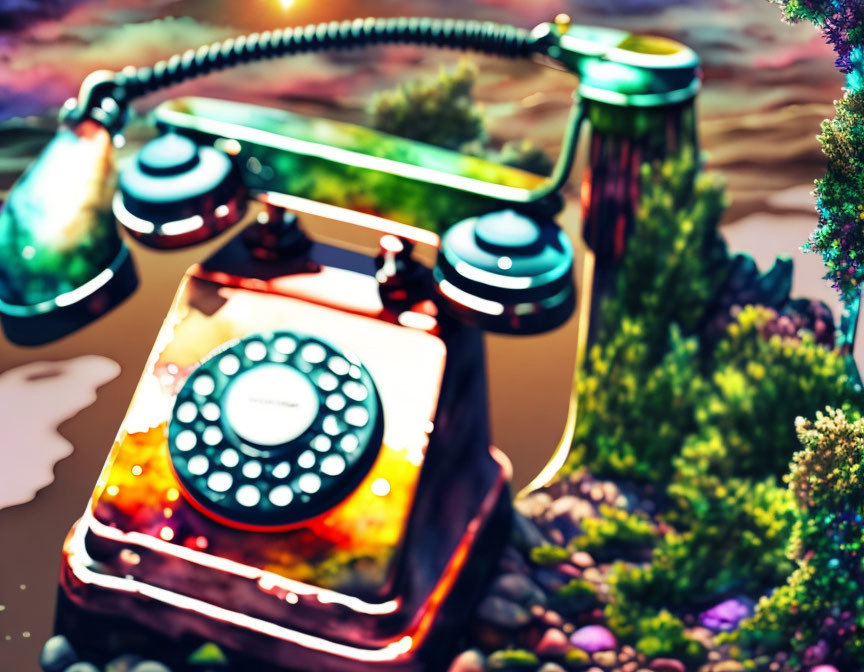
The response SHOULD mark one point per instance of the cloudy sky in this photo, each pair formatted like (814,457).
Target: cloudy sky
(48,46)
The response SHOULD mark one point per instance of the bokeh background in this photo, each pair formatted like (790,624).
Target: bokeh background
(767,87)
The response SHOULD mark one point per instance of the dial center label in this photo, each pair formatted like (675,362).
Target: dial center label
(271,404)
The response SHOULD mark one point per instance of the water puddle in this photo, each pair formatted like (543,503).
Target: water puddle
(36,399)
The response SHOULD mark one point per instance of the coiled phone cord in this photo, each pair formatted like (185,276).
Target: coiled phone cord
(106,96)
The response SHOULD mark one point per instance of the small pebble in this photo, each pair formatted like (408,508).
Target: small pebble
(551,667)
(526,534)
(57,654)
(552,644)
(593,575)
(503,613)
(593,638)
(123,663)
(728,614)
(520,589)
(552,618)
(549,579)
(82,667)
(605,659)
(728,666)
(469,661)
(150,666)
(569,570)
(582,559)
(667,665)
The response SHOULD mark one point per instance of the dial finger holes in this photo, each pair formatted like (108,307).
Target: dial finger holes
(306,460)
(198,465)
(252,469)
(187,412)
(313,353)
(229,365)
(335,402)
(349,443)
(274,428)
(322,443)
(230,458)
(327,381)
(338,365)
(331,425)
(203,385)
(212,436)
(220,481)
(186,440)
(309,483)
(354,390)
(211,411)
(285,345)
(281,496)
(248,495)
(333,465)
(255,351)
(357,416)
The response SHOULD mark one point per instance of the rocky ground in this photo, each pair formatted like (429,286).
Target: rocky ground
(517,623)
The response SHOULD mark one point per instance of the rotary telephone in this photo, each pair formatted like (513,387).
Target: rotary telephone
(304,475)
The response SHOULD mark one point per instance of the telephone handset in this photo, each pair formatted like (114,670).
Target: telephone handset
(305,473)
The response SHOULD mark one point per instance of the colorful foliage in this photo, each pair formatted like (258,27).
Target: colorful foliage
(823,600)
(839,237)
(442,111)
(711,421)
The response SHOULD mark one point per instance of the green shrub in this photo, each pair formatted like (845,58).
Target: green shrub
(760,385)
(549,555)
(524,154)
(828,473)
(634,617)
(840,193)
(824,597)
(577,597)
(576,658)
(713,425)
(510,659)
(634,412)
(731,538)
(663,635)
(675,260)
(615,533)
(440,111)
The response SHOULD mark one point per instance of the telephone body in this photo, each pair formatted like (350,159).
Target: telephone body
(378,563)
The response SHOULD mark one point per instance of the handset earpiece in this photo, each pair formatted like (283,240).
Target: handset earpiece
(62,262)
(175,192)
(507,272)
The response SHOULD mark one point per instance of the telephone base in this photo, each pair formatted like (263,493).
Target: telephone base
(105,616)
